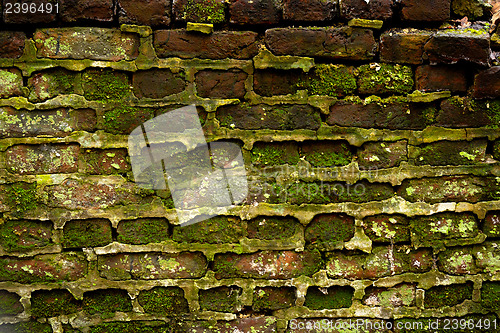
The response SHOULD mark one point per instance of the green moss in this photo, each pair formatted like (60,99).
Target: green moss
(9,304)
(216,230)
(208,11)
(490,107)
(275,154)
(329,298)
(25,235)
(222,299)
(123,119)
(106,302)
(22,197)
(142,231)
(380,78)
(335,156)
(272,228)
(330,80)
(132,327)
(166,301)
(273,298)
(437,297)
(329,230)
(46,304)
(104,85)
(490,295)
(86,233)
(27,327)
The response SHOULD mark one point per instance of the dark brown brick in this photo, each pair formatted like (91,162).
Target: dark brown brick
(149,12)
(206,11)
(487,83)
(403,46)
(46,16)
(11,44)
(25,235)
(437,78)
(273,298)
(460,112)
(309,10)
(157,83)
(42,159)
(86,233)
(270,82)
(380,155)
(221,299)
(254,12)
(426,10)
(373,10)
(451,153)
(94,10)
(221,84)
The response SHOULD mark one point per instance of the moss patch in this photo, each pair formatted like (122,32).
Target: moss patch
(9,304)
(326,153)
(105,84)
(45,304)
(124,119)
(207,11)
(275,153)
(25,235)
(330,80)
(216,230)
(490,295)
(106,302)
(87,233)
(143,231)
(385,78)
(26,327)
(437,297)
(165,301)
(328,231)
(329,298)
(222,299)
(22,197)
(272,228)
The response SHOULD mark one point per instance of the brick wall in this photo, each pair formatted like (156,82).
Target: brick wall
(370,132)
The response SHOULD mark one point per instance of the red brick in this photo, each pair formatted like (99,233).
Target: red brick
(437,78)
(373,10)
(150,266)
(254,12)
(333,43)
(86,43)
(273,298)
(78,10)
(309,10)
(403,46)
(51,83)
(266,264)
(12,83)
(67,266)
(29,18)
(157,83)
(491,225)
(25,235)
(109,161)
(487,83)
(42,159)
(380,155)
(221,84)
(458,112)
(208,11)
(426,10)
(11,44)
(218,45)
(270,82)
(148,12)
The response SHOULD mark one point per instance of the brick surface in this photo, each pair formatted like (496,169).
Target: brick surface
(462,112)
(12,83)
(48,84)
(309,10)
(216,230)
(254,12)
(380,79)
(273,298)
(491,225)
(143,231)
(11,44)
(157,83)
(221,84)
(329,298)
(403,46)
(221,299)
(451,153)
(164,301)
(487,83)
(150,12)
(275,153)
(205,11)
(105,161)
(387,228)
(270,228)
(105,302)
(95,10)
(51,303)
(9,303)
(329,231)
(425,10)
(42,159)
(25,235)
(440,296)
(438,78)
(379,155)
(270,82)
(86,233)
(326,153)
(373,10)
(397,296)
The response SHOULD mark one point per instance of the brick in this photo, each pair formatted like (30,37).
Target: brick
(452,46)
(326,153)
(451,153)
(12,44)
(150,12)
(486,255)
(48,84)
(382,261)
(373,10)
(438,78)
(329,80)
(150,266)
(490,295)
(496,149)
(105,84)
(27,327)
(221,299)
(335,297)
(57,123)
(86,43)
(309,10)
(380,155)
(279,265)
(221,84)
(124,119)
(218,45)
(86,233)
(425,10)
(47,16)
(456,261)
(278,153)
(254,12)
(12,83)
(204,11)
(10,304)
(157,83)
(329,231)
(277,117)
(387,228)
(106,302)
(460,112)
(379,79)
(261,324)
(25,235)
(163,300)
(42,159)
(487,83)
(94,10)
(473,9)
(270,227)
(271,82)
(273,298)
(51,303)
(332,43)
(67,266)
(105,161)
(403,46)
(400,295)
(20,198)
(491,225)
(130,327)
(450,295)
(143,231)
(216,230)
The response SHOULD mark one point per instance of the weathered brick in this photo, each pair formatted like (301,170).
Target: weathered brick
(11,82)
(383,261)
(208,11)
(387,228)
(384,78)
(105,84)
(86,43)
(490,295)
(457,261)
(491,225)
(51,83)
(254,12)
(450,295)
(58,123)
(462,112)
(335,297)
(473,9)
(437,78)
(86,233)
(273,298)
(78,10)
(333,43)
(25,235)
(278,153)
(452,46)
(51,303)
(309,10)
(19,198)
(150,12)
(373,10)
(266,264)
(124,119)
(221,299)
(261,324)
(221,84)
(278,117)
(326,153)
(426,10)
(108,161)
(403,46)
(216,230)
(27,327)
(380,155)
(42,159)
(150,266)
(487,83)
(143,231)
(11,44)
(329,80)
(67,266)
(486,257)
(270,227)
(157,83)
(9,304)
(18,17)
(218,45)
(106,302)
(451,153)
(329,231)
(400,295)
(164,301)
(270,82)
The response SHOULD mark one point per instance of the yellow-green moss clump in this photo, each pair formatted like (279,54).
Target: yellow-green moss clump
(385,78)
(330,80)
(103,85)
(208,11)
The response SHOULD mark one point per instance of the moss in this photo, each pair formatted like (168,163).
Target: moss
(86,233)
(22,197)
(380,78)
(329,230)
(46,304)
(208,11)
(164,300)
(303,192)
(143,231)
(103,85)
(132,327)
(216,230)
(324,156)
(27,327)
(490,107)
(275,154)
(123,119)
(329,298)
(106,302)
(9,304)
(273,298)
(330,80)
(222,299)
(269,228)
(440,296)
(490,295)
(25,235)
